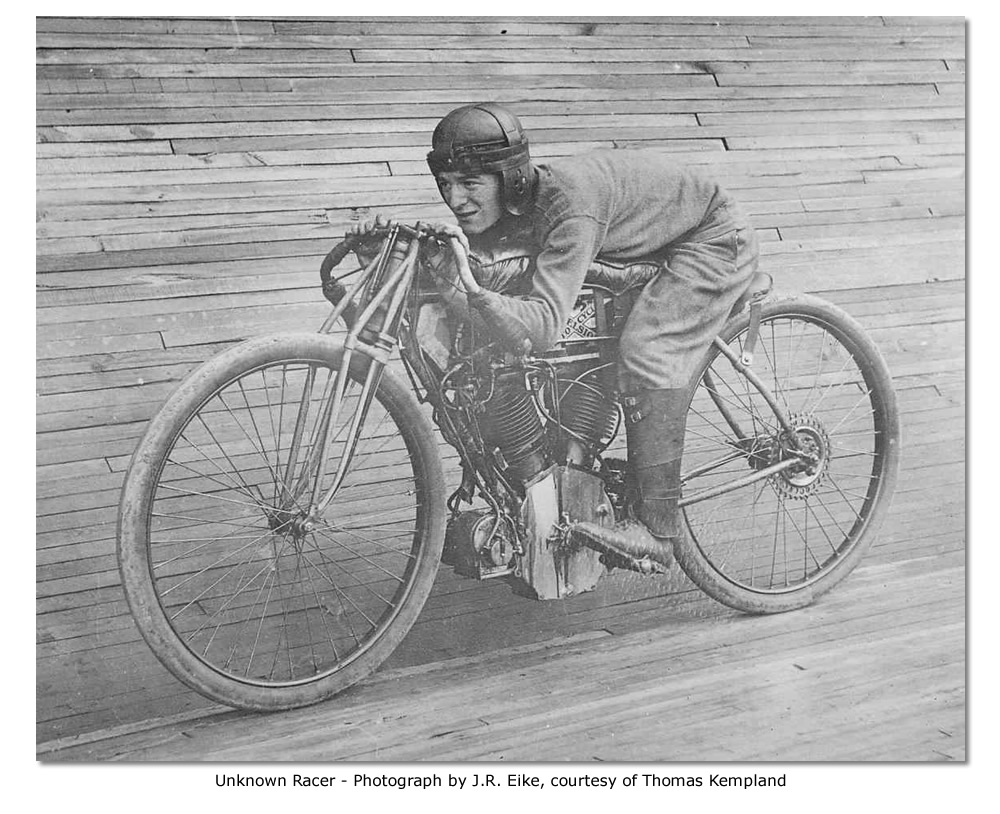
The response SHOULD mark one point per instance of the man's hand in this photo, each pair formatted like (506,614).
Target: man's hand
(449,231)
(460,248)
(369,226)
(363,236)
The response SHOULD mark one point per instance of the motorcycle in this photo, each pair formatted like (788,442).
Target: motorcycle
(286,512)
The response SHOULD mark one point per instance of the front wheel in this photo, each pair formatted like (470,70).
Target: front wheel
(775,543)
(242,595)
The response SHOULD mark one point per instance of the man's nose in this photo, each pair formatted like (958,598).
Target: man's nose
(454,197)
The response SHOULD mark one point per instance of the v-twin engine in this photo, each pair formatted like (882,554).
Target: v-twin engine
(544,441)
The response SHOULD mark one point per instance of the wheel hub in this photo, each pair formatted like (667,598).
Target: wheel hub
(810,443)
(292,530)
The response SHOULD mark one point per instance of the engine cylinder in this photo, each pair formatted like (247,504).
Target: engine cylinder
(512,424)
(588,409)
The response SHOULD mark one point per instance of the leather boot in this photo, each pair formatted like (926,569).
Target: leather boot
(655,425)
(655,421)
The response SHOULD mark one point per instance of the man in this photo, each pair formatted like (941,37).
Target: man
(622,206)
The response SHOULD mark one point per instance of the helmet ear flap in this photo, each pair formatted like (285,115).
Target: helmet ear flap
(517,189)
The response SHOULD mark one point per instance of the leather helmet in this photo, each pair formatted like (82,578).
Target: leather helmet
(485,138)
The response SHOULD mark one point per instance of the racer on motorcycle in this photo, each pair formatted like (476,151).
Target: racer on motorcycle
(624,206)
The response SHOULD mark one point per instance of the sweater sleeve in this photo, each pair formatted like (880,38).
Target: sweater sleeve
(560,269)
(444,274)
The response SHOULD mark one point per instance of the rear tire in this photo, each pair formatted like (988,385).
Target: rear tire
(778,544)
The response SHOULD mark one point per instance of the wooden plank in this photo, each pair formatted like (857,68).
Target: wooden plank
(899,38)
(562,24)
(796,51)
(204,175)
(947,450)
(187,93)
(338,43)
(311,248)
(521,26)
(149,25)
(110,148)
(583,128)
(211,278)
(174,180)
(55,369)
(884,137)
(275,197)
(910,507)
(325,112)
(924,225)
(55,347)
(776,117)
(538,124)
(697,98)
(200,41)
(64,287)
(108,311)
(661,612)
(149,287)
(333,225)
(684,656)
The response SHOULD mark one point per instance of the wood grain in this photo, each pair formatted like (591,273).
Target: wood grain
(191,172)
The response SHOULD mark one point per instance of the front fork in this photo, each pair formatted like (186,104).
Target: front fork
(373,335)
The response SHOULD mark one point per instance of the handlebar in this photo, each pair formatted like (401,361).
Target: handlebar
(469,282)
(420,232)
(334,258)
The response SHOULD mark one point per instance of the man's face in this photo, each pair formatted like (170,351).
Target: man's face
(476,200)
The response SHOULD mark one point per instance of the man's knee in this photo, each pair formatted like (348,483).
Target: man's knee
(629,349)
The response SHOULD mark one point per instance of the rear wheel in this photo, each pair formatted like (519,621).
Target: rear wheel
(238,592)
(779,542)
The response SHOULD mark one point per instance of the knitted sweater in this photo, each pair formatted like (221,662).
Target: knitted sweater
(623,205)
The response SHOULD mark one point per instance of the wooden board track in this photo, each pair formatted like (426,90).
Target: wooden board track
(191,173)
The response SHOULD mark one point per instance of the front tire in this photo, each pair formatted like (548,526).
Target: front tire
(235,593)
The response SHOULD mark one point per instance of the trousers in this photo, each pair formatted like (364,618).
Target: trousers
(682,309)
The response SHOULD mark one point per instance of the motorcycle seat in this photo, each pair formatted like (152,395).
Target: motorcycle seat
(760,286)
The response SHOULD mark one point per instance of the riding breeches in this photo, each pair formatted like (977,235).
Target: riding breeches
(682,309)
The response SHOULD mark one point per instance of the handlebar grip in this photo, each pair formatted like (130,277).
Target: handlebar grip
(337,253)
(462,264)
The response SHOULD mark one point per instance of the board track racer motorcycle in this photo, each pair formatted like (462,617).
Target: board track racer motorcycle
(284,517)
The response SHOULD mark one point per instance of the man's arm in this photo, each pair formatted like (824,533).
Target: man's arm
(561,267)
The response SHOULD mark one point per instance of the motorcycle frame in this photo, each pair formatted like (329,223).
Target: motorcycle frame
(389,298)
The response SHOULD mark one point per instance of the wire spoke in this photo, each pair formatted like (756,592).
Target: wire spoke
(209,617)
(213,496)
(211,478)
(260,626)
(772,363)
(244,487)
(275,478)
(819,368)
(259,446)
(836,522)
(364,518)
(753,412)
(227,521)
(361,556)
(829,388)
(340,592)
(844,496)
(216,564)
(804,538)
(236,470)
(205,542)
